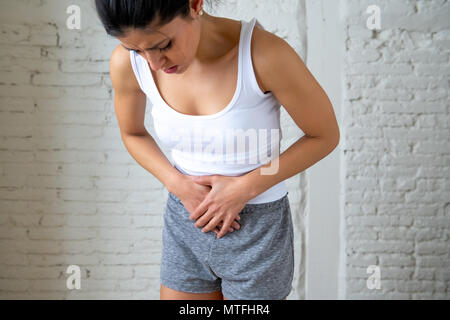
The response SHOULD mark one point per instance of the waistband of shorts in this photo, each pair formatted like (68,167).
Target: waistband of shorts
(276,204)
(174,197)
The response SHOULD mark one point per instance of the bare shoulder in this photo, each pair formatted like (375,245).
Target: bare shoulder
(284,73)
(262,41)
(129,100)
(121,71)
(268,52)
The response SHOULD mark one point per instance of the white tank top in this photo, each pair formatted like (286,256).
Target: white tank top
(220,143)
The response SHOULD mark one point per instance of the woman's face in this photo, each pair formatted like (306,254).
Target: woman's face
(175,43)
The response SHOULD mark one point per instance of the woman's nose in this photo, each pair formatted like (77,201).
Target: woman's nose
(156,61)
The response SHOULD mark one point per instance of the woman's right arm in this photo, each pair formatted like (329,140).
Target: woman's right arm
(129,106)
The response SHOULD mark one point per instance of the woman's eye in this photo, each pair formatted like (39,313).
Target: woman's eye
(167,47)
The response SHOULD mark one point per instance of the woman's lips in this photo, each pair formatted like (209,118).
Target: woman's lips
(171,70)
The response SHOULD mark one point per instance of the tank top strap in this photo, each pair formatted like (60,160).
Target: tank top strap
(248,92)
(249,82)
(138,69)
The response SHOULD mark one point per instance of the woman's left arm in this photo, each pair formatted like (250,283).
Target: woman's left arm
(284,73)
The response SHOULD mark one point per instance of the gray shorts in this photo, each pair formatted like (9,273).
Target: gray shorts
(255,262)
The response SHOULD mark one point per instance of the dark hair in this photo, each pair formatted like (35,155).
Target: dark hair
(119,15)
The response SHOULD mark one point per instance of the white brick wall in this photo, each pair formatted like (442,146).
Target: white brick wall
(69,191)
(71,194)
(396,149)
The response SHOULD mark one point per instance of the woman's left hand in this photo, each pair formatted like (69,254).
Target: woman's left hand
(223,203)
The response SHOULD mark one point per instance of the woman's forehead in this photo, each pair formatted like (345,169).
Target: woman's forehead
(156,32)
(169,27)
(151,37)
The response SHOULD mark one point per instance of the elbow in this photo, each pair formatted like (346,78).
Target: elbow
(337,137)
(334,139)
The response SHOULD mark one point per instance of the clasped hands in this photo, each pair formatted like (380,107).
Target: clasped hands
(214,201)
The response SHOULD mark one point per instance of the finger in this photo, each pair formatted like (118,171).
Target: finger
(212,224)
(217,229)
(226,225)
(204,219)
(238,218)
(230,229)
(221,233)
(200,210)
(220,224)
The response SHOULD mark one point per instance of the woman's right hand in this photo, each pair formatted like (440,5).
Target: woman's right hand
(192,194)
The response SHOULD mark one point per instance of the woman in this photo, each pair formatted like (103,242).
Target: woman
(190,65)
